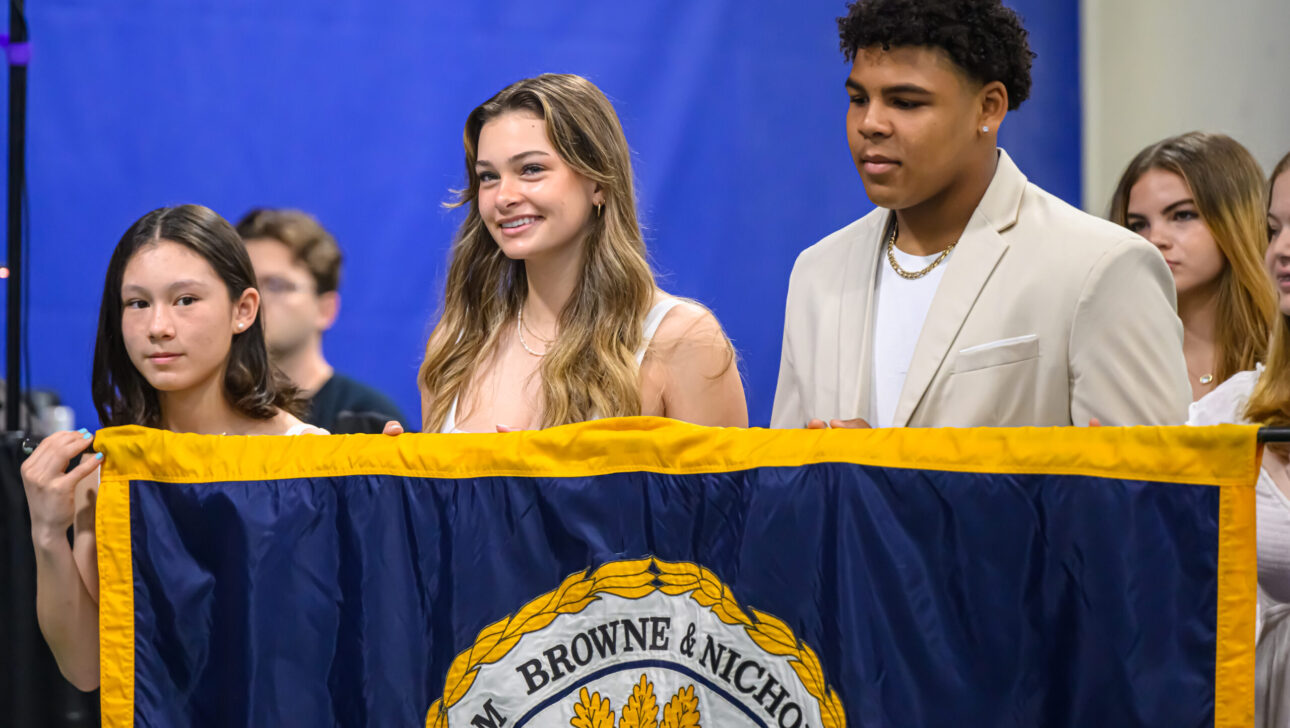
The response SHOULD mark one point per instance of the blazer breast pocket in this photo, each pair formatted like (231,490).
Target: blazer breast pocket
(997,353)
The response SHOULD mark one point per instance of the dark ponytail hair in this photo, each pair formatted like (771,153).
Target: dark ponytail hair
(252,386)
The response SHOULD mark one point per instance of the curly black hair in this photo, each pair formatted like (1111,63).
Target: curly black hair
(983,37)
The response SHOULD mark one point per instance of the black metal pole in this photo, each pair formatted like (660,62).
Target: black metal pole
(17,173)
(1274,434)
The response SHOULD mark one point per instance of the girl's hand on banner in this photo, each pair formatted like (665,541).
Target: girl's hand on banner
(51,487)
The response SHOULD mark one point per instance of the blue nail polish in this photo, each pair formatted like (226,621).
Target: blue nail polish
(98,456)
(88,436)
(82,430)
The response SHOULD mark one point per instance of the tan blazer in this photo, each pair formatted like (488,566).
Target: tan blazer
(1045,316)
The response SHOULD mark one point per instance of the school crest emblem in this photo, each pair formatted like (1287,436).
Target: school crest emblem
(643,643)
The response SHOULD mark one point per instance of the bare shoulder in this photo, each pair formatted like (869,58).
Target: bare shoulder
(689,342)
(688,323)
(693,367)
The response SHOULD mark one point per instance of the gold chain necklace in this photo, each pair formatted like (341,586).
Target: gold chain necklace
(910,275)
(519,329)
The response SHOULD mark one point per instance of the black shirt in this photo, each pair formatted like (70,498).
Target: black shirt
(344,406)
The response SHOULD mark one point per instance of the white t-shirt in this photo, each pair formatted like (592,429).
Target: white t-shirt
(901,309)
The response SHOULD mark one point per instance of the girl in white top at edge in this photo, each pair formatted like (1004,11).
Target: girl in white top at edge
(180,346)
(1263,396)
(551,314)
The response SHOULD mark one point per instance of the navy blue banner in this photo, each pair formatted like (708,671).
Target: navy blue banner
(887,595)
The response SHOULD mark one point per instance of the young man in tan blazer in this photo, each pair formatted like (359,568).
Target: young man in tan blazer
(970,297)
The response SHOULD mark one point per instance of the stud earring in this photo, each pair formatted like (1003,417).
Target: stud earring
(239,326)
(985,129)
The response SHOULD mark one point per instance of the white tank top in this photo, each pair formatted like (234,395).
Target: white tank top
(650,327)
(1272,507)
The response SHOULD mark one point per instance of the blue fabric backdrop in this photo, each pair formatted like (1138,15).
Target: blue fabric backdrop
(353,111)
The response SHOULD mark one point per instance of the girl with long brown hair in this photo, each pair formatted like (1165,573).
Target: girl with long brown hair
(551,314)
(1263,397)
(181,347)
(1199,198)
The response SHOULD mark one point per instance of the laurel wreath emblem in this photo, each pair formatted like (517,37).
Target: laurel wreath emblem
(641,711)
(633,580)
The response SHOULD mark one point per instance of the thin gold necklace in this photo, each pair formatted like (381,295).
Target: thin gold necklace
(519,329)
(910,275)
(538,336)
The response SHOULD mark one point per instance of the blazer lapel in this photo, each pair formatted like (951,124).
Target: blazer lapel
(966,273)
(855,318)
(970,266)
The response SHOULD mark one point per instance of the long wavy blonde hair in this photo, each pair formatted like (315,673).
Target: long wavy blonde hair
(1269,404)
(590,370)
(1227,185)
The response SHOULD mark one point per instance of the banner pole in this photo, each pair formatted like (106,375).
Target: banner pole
(1274,434)
(17,51)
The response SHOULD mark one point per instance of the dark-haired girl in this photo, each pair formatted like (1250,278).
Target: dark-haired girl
(181,347)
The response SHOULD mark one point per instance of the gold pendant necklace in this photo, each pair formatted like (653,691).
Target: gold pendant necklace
(910,275)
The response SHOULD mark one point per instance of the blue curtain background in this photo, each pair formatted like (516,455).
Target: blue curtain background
(353,111)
